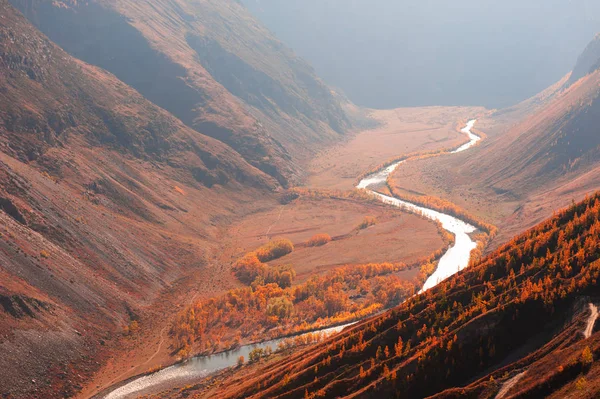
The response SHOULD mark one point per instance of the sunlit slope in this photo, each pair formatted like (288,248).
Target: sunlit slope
(106,200)
(523,307)
(539,156)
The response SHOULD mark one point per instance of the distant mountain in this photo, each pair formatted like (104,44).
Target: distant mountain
(588,61)
(388,54)
(210,64)
(516,324)
(537,156)
(106,201)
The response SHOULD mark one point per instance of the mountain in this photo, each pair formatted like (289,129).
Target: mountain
(518,323)
(108,203)
(434,52)
(537,156)
(210,64)
(588,61)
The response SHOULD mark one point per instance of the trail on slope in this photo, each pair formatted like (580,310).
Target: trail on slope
(591,321)
(508,385)
(275,222)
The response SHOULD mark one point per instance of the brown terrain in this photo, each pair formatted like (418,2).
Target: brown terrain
(99,191)
(399,131)
(210,64)
(116,214)
(396,236)
(152,149)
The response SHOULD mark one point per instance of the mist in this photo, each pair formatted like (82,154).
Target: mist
(387,53)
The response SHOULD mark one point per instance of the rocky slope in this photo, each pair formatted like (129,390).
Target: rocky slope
(210,64)
(106,202)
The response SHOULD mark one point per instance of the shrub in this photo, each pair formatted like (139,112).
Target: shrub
(255,355)
(274,250)
(367,222)
(581,383)
(281,307)
(248,268)
(586,356)
(283,276)
(241,361)
(319,240)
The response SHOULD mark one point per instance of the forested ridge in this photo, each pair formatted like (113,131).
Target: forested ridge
(448,336)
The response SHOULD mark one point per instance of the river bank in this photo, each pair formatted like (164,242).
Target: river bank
(455,259)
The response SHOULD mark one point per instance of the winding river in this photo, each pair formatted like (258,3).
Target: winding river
(191,371)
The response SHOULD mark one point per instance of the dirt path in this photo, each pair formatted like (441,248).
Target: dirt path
(507,386)
(275,222)
(156,353)
(591,321)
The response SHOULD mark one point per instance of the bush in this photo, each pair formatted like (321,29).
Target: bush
(274,250)
(319,240)
(586,356)
(248,268)
(283,276)
(281,307)
(367,222)
(255,355)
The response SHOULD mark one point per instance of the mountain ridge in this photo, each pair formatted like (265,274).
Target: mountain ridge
(108,204)
(262,100)
(522,307)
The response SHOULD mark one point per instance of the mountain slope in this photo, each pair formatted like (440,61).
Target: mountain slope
(588,61)
(209,63)
(107,204)
(525,307)
(545,154)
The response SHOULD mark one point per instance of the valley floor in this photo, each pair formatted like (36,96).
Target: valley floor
(396,237)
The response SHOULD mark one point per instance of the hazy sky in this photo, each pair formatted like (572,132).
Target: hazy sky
(389,53)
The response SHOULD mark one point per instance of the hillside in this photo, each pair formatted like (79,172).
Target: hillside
(537,156)
(588,61)
(108,204)
(521,321)
(210,64)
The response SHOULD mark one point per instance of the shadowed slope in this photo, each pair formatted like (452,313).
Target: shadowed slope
(106,202)
(210,64)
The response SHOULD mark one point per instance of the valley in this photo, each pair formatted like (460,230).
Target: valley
(188,211)
(455,258)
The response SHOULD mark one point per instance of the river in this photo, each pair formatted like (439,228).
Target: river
(455,259)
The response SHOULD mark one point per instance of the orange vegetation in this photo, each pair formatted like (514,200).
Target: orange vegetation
(447,207)
(250,267)
(466,325)
(318,240)
(367,222)
(269,310)
(274,249)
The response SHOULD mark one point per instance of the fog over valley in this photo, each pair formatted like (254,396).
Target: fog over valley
(387,54)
